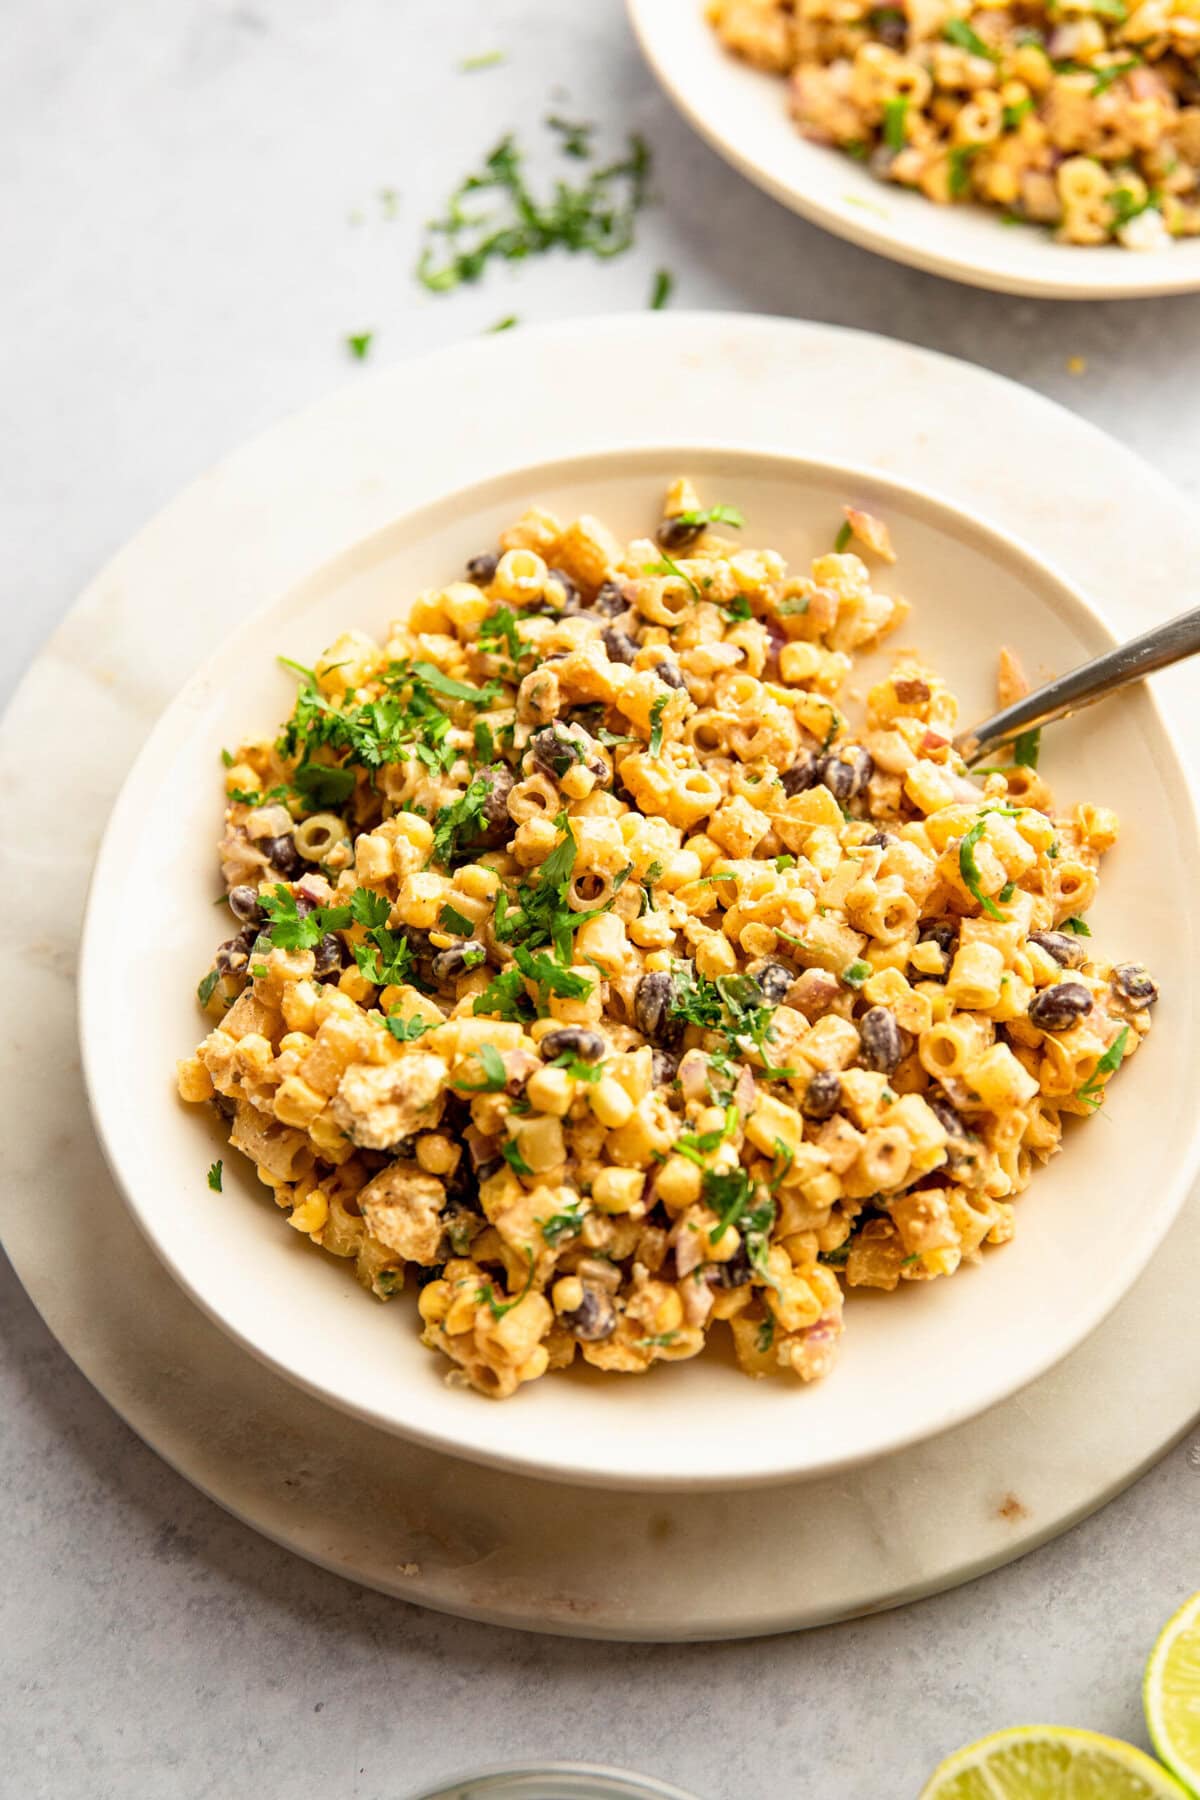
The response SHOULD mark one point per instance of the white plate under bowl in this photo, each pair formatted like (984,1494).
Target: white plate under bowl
(914,1363)
(743,113)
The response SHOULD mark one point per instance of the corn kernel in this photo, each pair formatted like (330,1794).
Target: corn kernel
(610,1103)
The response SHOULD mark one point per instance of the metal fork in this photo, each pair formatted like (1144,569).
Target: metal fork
(1092,681)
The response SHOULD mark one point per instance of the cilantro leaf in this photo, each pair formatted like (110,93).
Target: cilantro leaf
(454,690)
(453,920)
(495,1075)
(1027,748)
(1091,1093)
(957,31)
(320,785)
(369,908)
(358,343)
(842,541)
(406,1031)
(664,281)
(969,868)
(504,998)
(668,566)
(214,1176)
(204,990)
(656,729)
(497,1308)
(1077,926)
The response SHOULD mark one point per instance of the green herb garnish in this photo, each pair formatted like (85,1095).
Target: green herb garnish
(1091,1093)
(597,217)
(495,1075)
(407,1031)
(668,566)
(487,59)
(204,990)
(1077,926)
(359,343)
(664,281)
(969,868)
(487,1296)
(960,168)
(842,540)
(856,973)
(895,113)
(453,920)
(957,31)
(575,138)
(290,929)
(214,1176)
(1027,749)
(656,729)
(510,1151)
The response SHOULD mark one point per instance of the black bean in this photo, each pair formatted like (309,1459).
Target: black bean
(882,1045)
(482,569)
(822,1096)
(243,904)
(677,534)
(1057,1008)
(774,978)
(571,598)
(1066,950)
(610,602)
(282,854)
(427,1272)
(942,932)
(594,1319)
(233,957)
(947,1118)
(328,955)
(664,1067)
(845,776)
(573,1040)
(653,999)
(1133,981)
(879,840)
(801,776)
(620,646)
(670,673)
(458,960)
(734,1273)
(890,26)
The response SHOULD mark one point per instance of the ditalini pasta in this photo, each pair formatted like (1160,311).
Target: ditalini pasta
(592,973)
(1082,116)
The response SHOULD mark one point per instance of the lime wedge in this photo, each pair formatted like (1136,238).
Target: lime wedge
(1171,1694)
(1050,1762)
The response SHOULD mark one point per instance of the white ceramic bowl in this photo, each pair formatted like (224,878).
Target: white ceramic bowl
(743,114)
(914,1363)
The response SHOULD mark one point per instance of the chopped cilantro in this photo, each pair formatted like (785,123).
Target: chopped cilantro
(1006,892)
(227,759)
(1027,749)
(487,59)
(1106,76)
(214,1176)
(579,1070)
(204,991)
(507,323)
(359,343)
(894,117)
(369,908)
(550,977)
(461,821)
(856,973)
(495,1075)
(505,998)
(386,960)
(485,744)
(664,281)
(765,1335)
(597,216)
(1091,1093)
(739,608)
(500,627)
(960,168)
(969,868)
(487,1297)
(957,31)
(576,139)
(406,1031)
(320,785)
(656,729)
(290,929)
(455,690)
(1012,116)
(1077,926)
(842,540)
(713,515)
(453,920)
(511,1153)
(561,1225)
(667,565)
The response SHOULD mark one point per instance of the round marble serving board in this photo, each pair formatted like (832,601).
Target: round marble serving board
(461,1538)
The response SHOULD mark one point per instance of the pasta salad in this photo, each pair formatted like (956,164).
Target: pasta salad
(593,973)
(1082,116)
